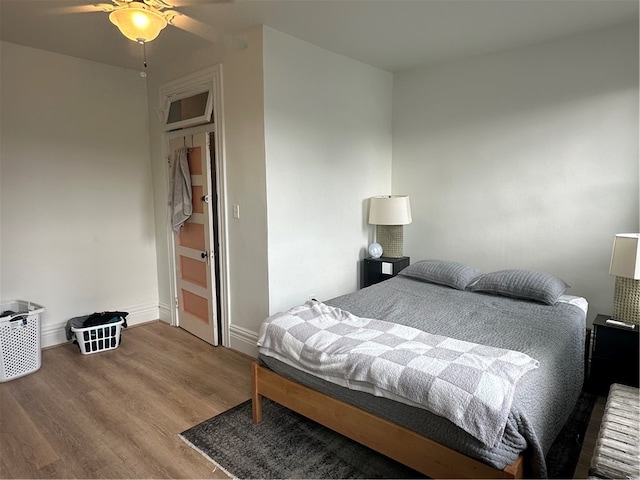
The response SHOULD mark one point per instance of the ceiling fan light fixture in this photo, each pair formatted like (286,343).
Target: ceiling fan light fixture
(138,22)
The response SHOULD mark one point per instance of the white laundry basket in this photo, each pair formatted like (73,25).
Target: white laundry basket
(20,352)
(99,338)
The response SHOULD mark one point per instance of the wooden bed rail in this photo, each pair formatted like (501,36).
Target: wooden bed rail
(401,444)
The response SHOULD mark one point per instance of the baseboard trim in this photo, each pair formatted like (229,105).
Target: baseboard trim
(243,340)
(165,313)
(54,334)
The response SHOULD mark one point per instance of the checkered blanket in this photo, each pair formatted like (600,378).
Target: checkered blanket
(469,384)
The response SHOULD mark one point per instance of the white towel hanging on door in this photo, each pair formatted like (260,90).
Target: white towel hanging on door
(181,195)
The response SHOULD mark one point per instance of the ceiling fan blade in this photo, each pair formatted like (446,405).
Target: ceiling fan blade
(98,7)
(186,3)
(208,32)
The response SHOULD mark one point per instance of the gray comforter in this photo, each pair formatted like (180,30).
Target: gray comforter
(544,398)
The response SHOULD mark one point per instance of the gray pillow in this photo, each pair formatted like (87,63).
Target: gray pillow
(525,284)
(444,272)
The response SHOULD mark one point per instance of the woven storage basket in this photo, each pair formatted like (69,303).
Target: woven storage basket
(617,452)
(626,300)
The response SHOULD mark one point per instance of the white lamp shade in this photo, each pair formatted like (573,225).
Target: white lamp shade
(138,22)
(390,210)
(625,257)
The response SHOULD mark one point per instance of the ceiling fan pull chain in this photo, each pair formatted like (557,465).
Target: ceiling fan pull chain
(144,56)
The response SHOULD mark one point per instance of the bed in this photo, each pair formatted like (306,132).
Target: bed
(521,311)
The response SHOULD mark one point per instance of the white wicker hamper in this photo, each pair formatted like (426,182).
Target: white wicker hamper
(20,352)
(617,451)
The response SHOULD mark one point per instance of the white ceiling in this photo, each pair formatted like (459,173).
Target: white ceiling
(393,35)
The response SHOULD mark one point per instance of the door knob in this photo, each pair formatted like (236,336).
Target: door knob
(204,255)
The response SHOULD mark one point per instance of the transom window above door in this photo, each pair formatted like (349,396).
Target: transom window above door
(188,108)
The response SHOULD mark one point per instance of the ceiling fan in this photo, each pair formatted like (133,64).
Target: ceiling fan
(139,21)
(142,20)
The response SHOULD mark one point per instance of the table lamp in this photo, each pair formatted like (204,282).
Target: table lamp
(625,265)
(389,213)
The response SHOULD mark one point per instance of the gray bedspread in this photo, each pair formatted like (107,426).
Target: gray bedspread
(544,398)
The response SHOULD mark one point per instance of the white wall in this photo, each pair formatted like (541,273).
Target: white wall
(159,176)
(246,187)
(328,149)
(76,226)
(524,159)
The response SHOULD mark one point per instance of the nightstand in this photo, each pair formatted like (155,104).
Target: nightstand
(378,269)
(614,355)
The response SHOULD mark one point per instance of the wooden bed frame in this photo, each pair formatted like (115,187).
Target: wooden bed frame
(403,445)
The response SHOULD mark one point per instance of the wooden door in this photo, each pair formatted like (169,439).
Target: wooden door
(194,262)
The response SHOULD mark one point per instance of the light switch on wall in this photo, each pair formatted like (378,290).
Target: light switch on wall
(236,211)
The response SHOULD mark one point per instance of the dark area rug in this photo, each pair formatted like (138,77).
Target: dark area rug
(565,451)
(288,445)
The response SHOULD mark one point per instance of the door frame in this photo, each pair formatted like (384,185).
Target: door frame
(212,76)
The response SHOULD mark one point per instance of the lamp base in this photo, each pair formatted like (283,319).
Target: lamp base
(626,300)
(390,237)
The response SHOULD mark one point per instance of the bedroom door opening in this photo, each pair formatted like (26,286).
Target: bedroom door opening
(196,245)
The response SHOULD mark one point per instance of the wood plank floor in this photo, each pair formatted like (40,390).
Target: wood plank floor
(118,414)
